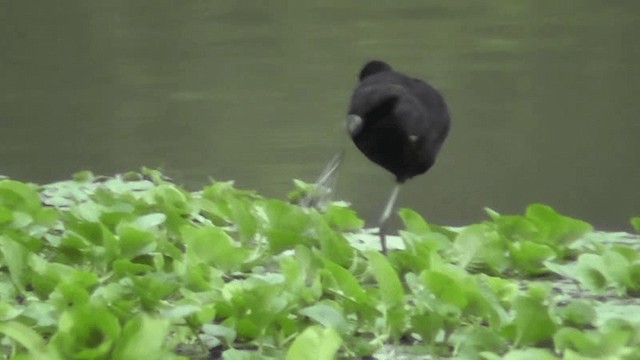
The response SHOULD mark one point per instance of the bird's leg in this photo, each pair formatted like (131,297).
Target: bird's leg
(388,208)
(325,184)
(327,177)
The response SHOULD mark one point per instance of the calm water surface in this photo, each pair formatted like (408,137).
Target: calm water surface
(544,97)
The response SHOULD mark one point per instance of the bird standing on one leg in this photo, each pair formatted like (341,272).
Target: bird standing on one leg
(399,123)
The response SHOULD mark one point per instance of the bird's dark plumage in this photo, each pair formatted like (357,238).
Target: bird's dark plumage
(397,121)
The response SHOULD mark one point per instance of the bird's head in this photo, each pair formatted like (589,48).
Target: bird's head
(373,67)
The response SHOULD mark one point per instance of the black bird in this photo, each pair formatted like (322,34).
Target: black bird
(399,123)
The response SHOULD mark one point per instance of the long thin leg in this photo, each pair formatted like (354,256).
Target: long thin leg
(326,182)
(327,176)
(388,208)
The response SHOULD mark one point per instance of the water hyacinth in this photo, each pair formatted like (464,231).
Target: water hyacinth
(134,266)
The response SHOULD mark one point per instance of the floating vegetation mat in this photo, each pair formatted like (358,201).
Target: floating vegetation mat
(136,267)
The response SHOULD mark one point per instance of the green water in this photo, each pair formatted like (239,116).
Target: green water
(543,96)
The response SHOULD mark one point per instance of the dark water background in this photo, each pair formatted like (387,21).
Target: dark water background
(544,97)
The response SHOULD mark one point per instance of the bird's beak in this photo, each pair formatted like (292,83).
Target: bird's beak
(354,124)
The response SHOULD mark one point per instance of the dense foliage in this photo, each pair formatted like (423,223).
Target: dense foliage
(136,267)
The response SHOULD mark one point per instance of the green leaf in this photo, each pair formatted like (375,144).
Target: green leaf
(327,313)
(15,257)
(82,176)
(150,220)
(391,291)
(315,343)
(15,195)
(135,241)
(591,271)
(577,312)
(635,222)
(28,338)
(533,324)
(446,288)
(556,228)
(585,343)
(286,225)
(143,337)
(413,222)
(529,257)
(344,283)
(212,245)
(335,247)
(473,340)
(616,269)
(302,277)
(86,332)
(479,247)
(342,218)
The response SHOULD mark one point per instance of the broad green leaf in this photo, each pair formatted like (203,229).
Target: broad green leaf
(30,339)
(556,228)
(529,257)
(8,311)
(213,246)
(125,267)
(315,343)
(635,222)
(83,176)
(135,241)
(428,325)
(342,218)
(577,312)
(302,277)
(533,324)
(143,337)
(180,312)
(88,211)
(516,228)
(616,269)
(335,247)
(343,283)
(327,313)
(391,290)
(15,258)
(150,220)
(591,271)
(391,293)
(16,195)
(479,247)
(473,340)
(170,197)
(585,343)
(286,225)
(413,222)
(46,275)
(446,288)
(86,332)
(227,334)
(153,288)
(634,276)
